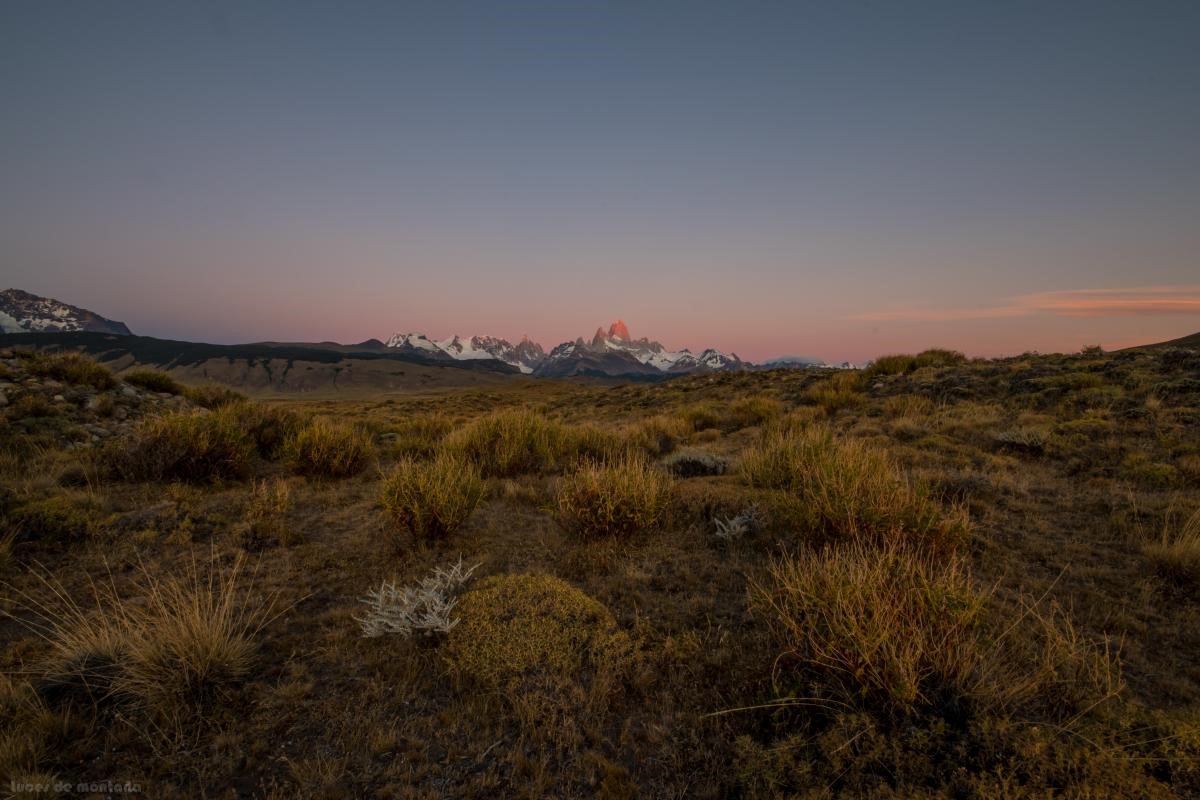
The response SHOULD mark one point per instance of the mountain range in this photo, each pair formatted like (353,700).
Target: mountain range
(22,312)
(607,353)
(611,353)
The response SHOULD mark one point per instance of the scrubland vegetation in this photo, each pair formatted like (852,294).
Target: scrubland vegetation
(935,578)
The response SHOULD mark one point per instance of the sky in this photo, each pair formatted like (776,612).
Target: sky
(836,180)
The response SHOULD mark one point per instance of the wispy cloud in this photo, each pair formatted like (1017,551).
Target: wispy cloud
(1138,301)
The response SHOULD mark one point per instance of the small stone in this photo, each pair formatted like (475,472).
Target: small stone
(3,399)
(120,412)
(129,391)
(58,398)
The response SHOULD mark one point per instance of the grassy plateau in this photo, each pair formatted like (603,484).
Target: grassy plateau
(933,578)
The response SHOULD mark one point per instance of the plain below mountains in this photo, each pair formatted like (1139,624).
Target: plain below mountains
(404,361)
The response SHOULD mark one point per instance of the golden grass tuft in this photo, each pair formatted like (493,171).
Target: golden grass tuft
(431,499)
(323,448)
(1175,557)
(620,499)
(75,369)
(179,645)
(848,490)
(265,517)
(153,380)
(659,435)
(886,630)
(899,633)
(524,626)
(509,442)
(185,446)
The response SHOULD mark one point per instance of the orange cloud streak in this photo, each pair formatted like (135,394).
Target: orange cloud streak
(1139,301)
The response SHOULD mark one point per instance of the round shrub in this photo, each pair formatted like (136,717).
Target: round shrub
(619,499)
(431,499)
(517,626)
(326,449)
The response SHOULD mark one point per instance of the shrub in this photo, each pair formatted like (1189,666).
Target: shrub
(212,396)
(704,415)
(619,499)
(72,368)
(419,436)
(695,463)
(431,499)
(509,442)
(517,626)
(886,630)
(267,426)
(264,519)
(58,519)
(935,357)
(891,365)
(327,449)
(183,645)
(152,380)
(185,446)
(427,608)
(846,489)
(659,435)
(1027,440)
(32,406)
(838,391)
(583,443)
(908,405)
(751,411)
(1176,556)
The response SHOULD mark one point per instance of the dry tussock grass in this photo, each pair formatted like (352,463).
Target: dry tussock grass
(168,654)
(431,499)
(620,500)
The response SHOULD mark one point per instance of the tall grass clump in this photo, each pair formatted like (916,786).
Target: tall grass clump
(212,396)
(183,644)
(838,391)
(620,499)
(903,364)
(884,630)
(509,442)
(420,435)
(323,448)
(659,435)
(154,381)
(848,490)
(75,369)
(269,427)
(899,633)
(185,446)
(748,412)
(431,499)
(1175,557)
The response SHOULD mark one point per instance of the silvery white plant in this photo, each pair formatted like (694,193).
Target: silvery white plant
(735,527)
(426,608)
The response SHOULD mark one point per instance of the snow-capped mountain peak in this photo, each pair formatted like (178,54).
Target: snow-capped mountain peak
(525,356)
(22,312)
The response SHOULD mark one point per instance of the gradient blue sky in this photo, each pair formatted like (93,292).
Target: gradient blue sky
(839,179)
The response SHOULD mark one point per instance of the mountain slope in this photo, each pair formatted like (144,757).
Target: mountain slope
(22,312)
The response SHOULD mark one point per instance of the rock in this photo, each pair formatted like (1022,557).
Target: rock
(58,398)
(120,413)
(3,399)
(129,391)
